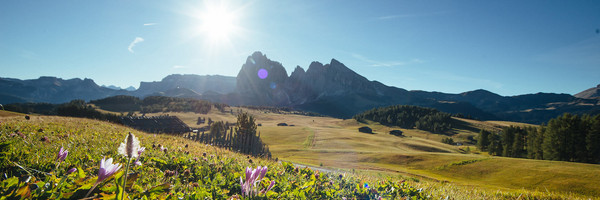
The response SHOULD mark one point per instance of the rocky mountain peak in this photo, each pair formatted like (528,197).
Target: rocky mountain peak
(335,62)
(298,73)
(315,68)
(89,82)
(262,80)
(299,70)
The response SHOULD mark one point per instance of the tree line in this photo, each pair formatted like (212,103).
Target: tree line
(568,137)
(75,108)
(405,116)
(154,104)
(121,103)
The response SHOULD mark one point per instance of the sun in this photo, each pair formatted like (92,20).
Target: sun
(217,23)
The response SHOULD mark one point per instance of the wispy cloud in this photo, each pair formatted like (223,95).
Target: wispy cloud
(400,16)
(150,24)
(135,41)
(394,17)
(375,63)
(179,67)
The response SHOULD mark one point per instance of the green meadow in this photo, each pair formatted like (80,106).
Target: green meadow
(336,144)
(416,165)
(171,167)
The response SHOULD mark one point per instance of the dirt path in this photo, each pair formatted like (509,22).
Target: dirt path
(321,169)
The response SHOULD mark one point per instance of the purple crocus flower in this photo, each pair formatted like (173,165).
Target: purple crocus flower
(72,170)
(107,169)
(139,152)
(254,176)
(268,188)
(62,155)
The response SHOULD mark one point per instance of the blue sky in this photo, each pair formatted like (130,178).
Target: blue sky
(507,47)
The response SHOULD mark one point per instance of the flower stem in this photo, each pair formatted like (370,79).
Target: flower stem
(57,189)
(56,168)
(125,179)
(91,189)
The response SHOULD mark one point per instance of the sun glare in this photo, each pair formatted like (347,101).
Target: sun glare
(218,23)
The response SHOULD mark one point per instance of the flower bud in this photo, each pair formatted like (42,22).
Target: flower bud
(72,170)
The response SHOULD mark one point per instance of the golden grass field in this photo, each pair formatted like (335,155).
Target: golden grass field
(4,113)
(336,144)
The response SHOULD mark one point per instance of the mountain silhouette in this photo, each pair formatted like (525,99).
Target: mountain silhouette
(330,89)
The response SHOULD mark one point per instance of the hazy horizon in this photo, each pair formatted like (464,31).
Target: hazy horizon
(509,47)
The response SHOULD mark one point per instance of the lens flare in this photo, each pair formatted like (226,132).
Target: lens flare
(263,73)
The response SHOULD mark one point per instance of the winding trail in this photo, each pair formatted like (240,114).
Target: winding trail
(321,169)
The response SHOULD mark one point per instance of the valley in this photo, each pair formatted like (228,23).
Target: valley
(336,144)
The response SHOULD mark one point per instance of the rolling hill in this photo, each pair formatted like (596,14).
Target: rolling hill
(335,143)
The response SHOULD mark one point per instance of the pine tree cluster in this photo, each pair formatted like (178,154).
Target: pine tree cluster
(566,138)
(404,116)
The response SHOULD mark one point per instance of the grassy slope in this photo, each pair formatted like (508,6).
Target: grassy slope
(4,113)
(34,144)
(336,143)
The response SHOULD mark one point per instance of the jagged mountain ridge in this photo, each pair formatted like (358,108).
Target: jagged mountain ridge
(331,89)
(334,89)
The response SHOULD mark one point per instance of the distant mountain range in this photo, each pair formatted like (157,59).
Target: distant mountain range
(130,88)
(52,90)
(330,89)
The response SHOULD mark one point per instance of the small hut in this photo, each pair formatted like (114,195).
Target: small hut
(396,132)
(365,129)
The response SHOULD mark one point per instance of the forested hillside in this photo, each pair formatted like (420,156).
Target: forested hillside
(566,138)
(427,119)
(154,104)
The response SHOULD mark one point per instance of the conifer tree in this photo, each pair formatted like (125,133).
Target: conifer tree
(508,137)
(518,145)
(495,147)
(593,140)
(246,124)
(483,142)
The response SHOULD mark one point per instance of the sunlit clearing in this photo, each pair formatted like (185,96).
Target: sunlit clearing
(218,23)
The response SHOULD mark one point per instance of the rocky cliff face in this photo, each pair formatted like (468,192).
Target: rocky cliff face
(334,89)
(317,83)
(336,79)
(262,82)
